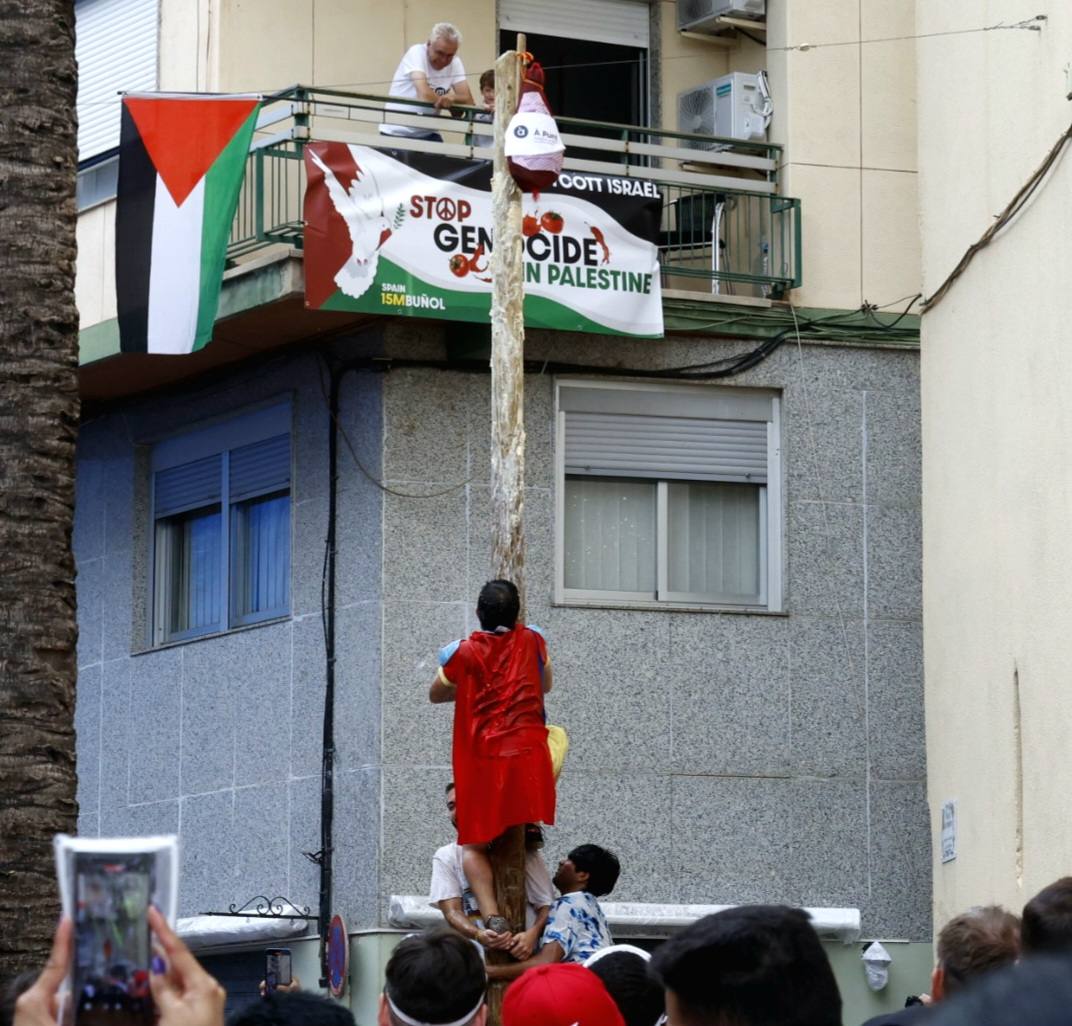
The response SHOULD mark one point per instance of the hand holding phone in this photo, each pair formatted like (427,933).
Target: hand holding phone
(39,1005)
(185,993)
(107,886)
(277,969)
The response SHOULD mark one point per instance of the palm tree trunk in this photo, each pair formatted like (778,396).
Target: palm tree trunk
(38,426)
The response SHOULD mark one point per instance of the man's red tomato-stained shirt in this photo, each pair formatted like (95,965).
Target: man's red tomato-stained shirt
(502,766)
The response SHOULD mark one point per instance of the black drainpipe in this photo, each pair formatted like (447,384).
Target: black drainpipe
(327,772)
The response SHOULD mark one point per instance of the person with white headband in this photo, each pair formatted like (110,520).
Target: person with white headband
(623,969)
(434,979)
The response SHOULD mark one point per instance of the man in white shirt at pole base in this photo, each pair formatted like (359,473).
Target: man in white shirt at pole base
(432,72)
(452,895)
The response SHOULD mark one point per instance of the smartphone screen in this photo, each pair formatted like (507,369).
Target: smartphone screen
(112,947)
(276,968)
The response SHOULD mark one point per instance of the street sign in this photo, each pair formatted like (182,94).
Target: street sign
(949,831)
(338,957)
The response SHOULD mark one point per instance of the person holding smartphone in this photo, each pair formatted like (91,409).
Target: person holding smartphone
(184,994)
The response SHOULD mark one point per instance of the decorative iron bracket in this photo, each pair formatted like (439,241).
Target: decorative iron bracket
(267,908)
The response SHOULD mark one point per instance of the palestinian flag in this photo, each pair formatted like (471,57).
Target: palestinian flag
(181,164)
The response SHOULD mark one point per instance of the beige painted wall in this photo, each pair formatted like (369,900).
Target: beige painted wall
(684,62)
(351,44)
(845,111)
(94,283)
(997,445)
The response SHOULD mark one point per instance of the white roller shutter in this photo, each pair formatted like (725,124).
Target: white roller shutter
(700,434)
(116,43)
(623,22)
(679,448)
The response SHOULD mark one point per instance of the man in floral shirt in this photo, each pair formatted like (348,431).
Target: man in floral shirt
(576,926)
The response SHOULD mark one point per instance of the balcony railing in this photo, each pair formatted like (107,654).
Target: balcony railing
(725,228)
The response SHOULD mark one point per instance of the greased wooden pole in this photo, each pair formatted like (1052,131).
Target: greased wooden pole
(507,444)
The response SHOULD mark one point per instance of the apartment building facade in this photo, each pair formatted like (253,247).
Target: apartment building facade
(753,735)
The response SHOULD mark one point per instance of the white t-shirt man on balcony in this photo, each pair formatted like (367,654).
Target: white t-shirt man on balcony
(432,72)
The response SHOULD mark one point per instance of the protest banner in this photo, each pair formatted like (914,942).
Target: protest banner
(402,232)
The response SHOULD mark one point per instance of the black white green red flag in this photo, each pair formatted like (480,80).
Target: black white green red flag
(181,163)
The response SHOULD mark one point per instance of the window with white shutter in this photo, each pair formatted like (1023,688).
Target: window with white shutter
(668,494)
(117,46)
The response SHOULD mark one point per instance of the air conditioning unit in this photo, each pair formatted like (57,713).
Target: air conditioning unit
(701,15)
(736,105)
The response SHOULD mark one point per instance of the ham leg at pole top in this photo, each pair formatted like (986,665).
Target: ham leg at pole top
(534,150)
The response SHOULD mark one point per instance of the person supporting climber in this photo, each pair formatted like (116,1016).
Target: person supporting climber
(497,678)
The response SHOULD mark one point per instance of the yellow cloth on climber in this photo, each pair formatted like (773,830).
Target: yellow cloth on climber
(558,743)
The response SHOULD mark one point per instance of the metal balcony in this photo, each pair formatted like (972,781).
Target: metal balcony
(725,228)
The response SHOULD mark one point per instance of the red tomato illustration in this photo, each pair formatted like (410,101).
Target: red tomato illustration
(459,265)
(552,222)
(529,225)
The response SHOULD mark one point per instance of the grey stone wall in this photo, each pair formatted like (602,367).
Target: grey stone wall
(726,757)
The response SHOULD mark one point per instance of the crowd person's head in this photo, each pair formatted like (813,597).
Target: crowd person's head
(1046,924)
(498,605)
(487,88)
(755,965)
(443,43)
(297,1008)
(433,978)
(588,868)
(561,994)
(1035,992)
(452,805)
(624,972)
(973,944)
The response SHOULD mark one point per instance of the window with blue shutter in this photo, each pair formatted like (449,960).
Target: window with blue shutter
(221,512)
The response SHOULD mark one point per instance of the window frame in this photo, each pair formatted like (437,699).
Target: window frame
(218,439)
(771,510)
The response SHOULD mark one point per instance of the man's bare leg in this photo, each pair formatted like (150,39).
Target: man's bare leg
(477,867)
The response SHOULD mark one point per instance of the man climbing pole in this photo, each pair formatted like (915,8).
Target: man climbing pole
(503,766)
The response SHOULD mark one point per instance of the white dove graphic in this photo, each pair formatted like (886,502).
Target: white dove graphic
(362,210)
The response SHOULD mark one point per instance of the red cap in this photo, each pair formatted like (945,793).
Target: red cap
(563,994)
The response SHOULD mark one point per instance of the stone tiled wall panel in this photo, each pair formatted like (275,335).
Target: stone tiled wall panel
(824,450)
(303,797)
(895,700)
(87,726)
(728,678)
(828,696)
(219,739)
(900,861)
(155,735)
(893,448)
(416,733)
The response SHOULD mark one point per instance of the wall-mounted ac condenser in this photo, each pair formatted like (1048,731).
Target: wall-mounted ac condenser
(735,105)
(701,15)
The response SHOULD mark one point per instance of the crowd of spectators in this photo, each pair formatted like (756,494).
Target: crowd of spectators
(752,965)
(749,965)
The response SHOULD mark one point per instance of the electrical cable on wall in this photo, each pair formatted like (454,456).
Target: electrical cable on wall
(337,424)
(711,370)
(1015,205)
